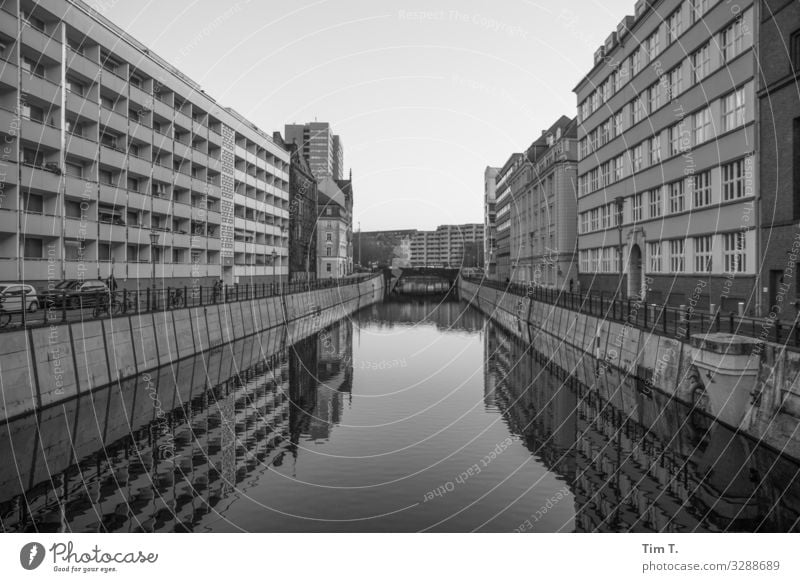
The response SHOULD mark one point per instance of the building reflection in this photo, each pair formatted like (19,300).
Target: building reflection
(176,469)
(446,312)
(638,461)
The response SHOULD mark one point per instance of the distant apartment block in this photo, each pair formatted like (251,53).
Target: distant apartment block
(445,246)
(489,212)
(543,203)
(667,139)
(503,205)
(319,145)
(113,161)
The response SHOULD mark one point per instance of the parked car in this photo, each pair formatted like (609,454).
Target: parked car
(76,294)
(14,295)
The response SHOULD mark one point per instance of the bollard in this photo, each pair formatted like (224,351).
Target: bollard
(741,308)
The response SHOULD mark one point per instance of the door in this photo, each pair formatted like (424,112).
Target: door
(775,282)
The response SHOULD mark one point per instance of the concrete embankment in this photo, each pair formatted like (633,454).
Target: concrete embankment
(747,384)
(43,366)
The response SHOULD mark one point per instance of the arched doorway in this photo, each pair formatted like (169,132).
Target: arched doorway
(635,273)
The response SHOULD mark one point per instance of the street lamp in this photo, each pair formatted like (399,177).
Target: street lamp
(620,201)
(153,243)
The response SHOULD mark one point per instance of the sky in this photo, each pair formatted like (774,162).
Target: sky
(424,95)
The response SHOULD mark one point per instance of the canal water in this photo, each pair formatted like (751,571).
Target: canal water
(413,415)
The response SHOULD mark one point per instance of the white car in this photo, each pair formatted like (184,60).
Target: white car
(12,296)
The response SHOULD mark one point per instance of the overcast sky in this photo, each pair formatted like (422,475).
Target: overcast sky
(424,94)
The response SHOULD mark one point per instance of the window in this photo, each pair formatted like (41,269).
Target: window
(32,112)
(594,257)
(106,101)
(654,256)
(702,126)
(32,157)
(104,251)
(74,128)
(619,168)
(675,82)
(75,87)
(638,157)
(33,203)
(639,109)
(178,256)
(653,47)
(329,237)
(733,180)
(329,211)
(328,267)
(584,261)
(655,203)
(636,208)
(732,41)
(33,248)
(618,124)
(328,251)
(675,139)
(73,250)
(676,198)
(698,8)
(33,21)
(595,218)
(733,110)
(653,98)
(674,26)
(702,253)
(655,149)
(676,256)
(701,62)
(701,189)
(584,222)
(133,184)
(606,259)
(735,252)
(606,174)
(605,216)
(32,67)
(74,170)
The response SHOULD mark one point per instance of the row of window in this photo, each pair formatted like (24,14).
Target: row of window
(689,193)
(730,42)
(692,131)
(693,255)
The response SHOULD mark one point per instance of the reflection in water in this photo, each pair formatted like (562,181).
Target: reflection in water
(311,438)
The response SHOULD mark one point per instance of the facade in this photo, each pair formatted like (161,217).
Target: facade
(489,242)
(106,144)
(779,141)
(332,231)
(346,186)
(444,247)
(666,129)
(320,146)
(543,236)
(302,216)
(503,204)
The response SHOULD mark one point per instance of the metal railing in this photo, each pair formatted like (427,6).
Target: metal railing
(55,307)
(675,322)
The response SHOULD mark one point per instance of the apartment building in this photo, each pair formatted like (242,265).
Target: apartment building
(667,162)
(113,161)
(542,233)
(333,231)
(489,215)
(445,246)
(503,204)
(779,140)
(323,150)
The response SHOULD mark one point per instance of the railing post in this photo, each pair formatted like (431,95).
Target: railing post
(664,314)
(24,306)
(124,301)
(201,295)
(148,299)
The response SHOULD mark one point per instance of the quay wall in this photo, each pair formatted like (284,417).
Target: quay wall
(750,385)
(43,366)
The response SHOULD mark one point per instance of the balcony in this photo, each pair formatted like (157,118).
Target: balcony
(44,225)
(8,221)
(214,138)
(138,235)
(42,88)
(80,188)
(79,269)
(162,173)
(112,195)
(111,232)
(140,99)
(182,180)
(214,244)
(41,43)
(199,157)
(74,228)
(161,205)
(112,157)
(81,106)
(39,179)
(162,109)
(140,131)
(117,84)
(181,240)
(139,166)
(42,134)
(214,217)
(214,164)
(199,214)
(180,210)
(199,185)
(138,201)
(182,120)
(78,63)
(8,75)
(113,120)
(182,150)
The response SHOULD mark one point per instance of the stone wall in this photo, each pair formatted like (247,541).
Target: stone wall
(43,366)
(749,385)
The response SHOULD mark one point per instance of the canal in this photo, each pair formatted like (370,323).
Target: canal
(413,415)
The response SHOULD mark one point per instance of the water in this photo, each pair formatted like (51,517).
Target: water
(416,415)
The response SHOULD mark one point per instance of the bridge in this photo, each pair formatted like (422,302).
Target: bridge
(421,280)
